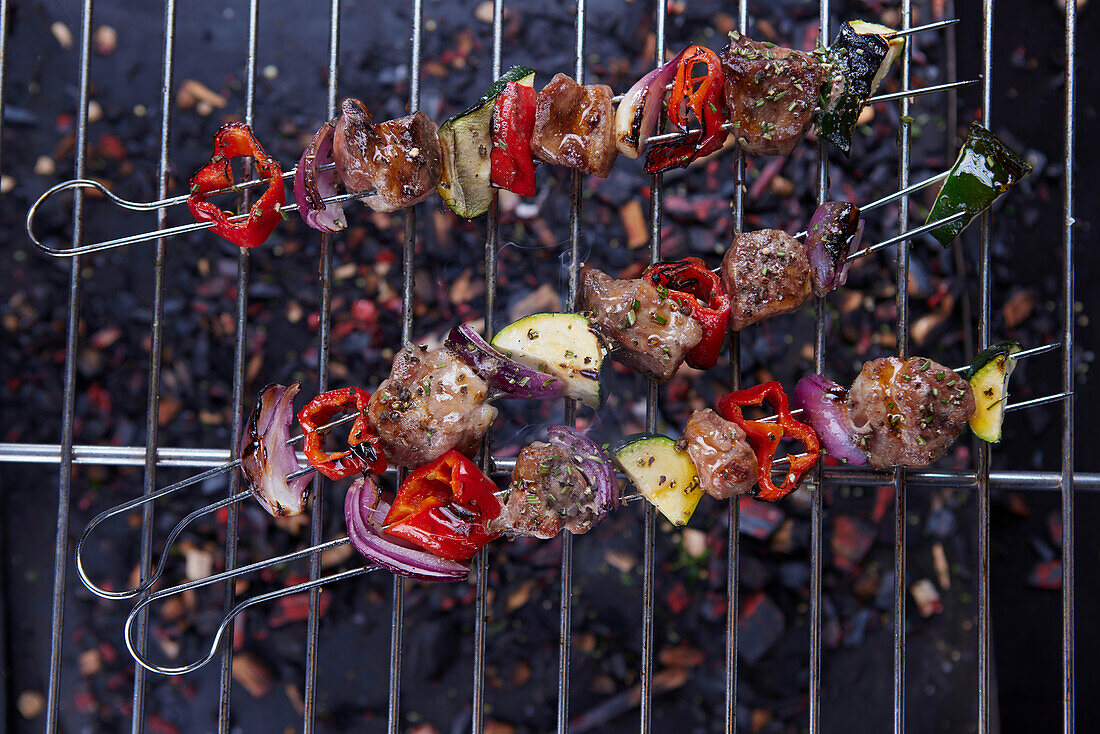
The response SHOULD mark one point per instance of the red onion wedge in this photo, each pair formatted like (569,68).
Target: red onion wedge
(640,109)
(364,513)
(266,459)
(312,186)
(826,406)
(593,463)
(834,231)
(506,377)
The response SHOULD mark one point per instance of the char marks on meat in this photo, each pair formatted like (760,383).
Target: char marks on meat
(653,331)
(548,492)
(431,403)
(575,126)
(765,273)
(772,93)
(910,412)
(727,464)
(399,160)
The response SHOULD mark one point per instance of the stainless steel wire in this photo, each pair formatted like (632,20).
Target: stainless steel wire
(1069,571)
(900,504)
(137,719)
(64,479)
(408,251)
(317,512)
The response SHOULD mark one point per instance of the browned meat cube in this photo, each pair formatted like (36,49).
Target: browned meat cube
(721,452)
(548,492)
(653,332)
(910,412)
(575,126)
(431,403)
(398,159)
(772,93)
(764,273)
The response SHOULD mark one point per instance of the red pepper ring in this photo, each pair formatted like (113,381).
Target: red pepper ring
(690,282)
(341,464)
(512,166)
(764,436)
(445,507)
(236,140)
(705,96)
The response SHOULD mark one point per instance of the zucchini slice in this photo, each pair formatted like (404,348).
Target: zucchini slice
(988,377)
(467,140)
(861,56)
(565,345)
(663,472)
(888,35)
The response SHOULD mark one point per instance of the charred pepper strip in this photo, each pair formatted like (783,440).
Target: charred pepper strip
(338,465)
(445,507)
(764,437)
(705,97)
(690,282)
(511,163)
(236,140)
(985,169)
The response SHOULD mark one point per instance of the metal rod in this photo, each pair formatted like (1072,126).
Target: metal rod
(733,520)
(983,455)
(1069,571)
(906,236)
(907,94)
(900,503)
(317,515)
(61,539)
(137,717)
(649,580)
(816,498)
(408,250)
(492,235)
(922,28)
(565,598)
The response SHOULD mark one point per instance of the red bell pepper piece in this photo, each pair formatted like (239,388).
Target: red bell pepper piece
(764,436)
(233,141)
(511,163)
(690,282)
(445,508)
(705,97)
(340,464)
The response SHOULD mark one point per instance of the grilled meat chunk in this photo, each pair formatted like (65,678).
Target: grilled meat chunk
(727,464)
(398,159)
(765,273)
(910,412)
(548,493)
(575,126)
(772,93)
(653,331)
(431,403)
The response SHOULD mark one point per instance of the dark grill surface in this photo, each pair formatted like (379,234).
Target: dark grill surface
(758,618)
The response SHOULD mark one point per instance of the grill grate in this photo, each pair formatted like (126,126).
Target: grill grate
(153,456)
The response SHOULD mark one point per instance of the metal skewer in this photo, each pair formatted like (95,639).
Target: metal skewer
(136,502)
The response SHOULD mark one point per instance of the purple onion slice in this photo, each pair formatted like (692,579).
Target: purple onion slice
(826,406)
(834,231)
(506,377)
(364,513)
(591,461)
(267,460)
(312,186)
(640,109)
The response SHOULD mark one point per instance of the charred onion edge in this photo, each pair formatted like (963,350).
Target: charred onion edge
(264,441)
(506,377)
(592,462)
(364,513)
(826,410)
(312,186)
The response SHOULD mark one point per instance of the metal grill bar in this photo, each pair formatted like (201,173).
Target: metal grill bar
(649,580)
(316,520)
(57,628)
(137,719)
(492,237)
(983,454)
(733,539)
(408,249)
(900,524)
(1068,287)
(565,618)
